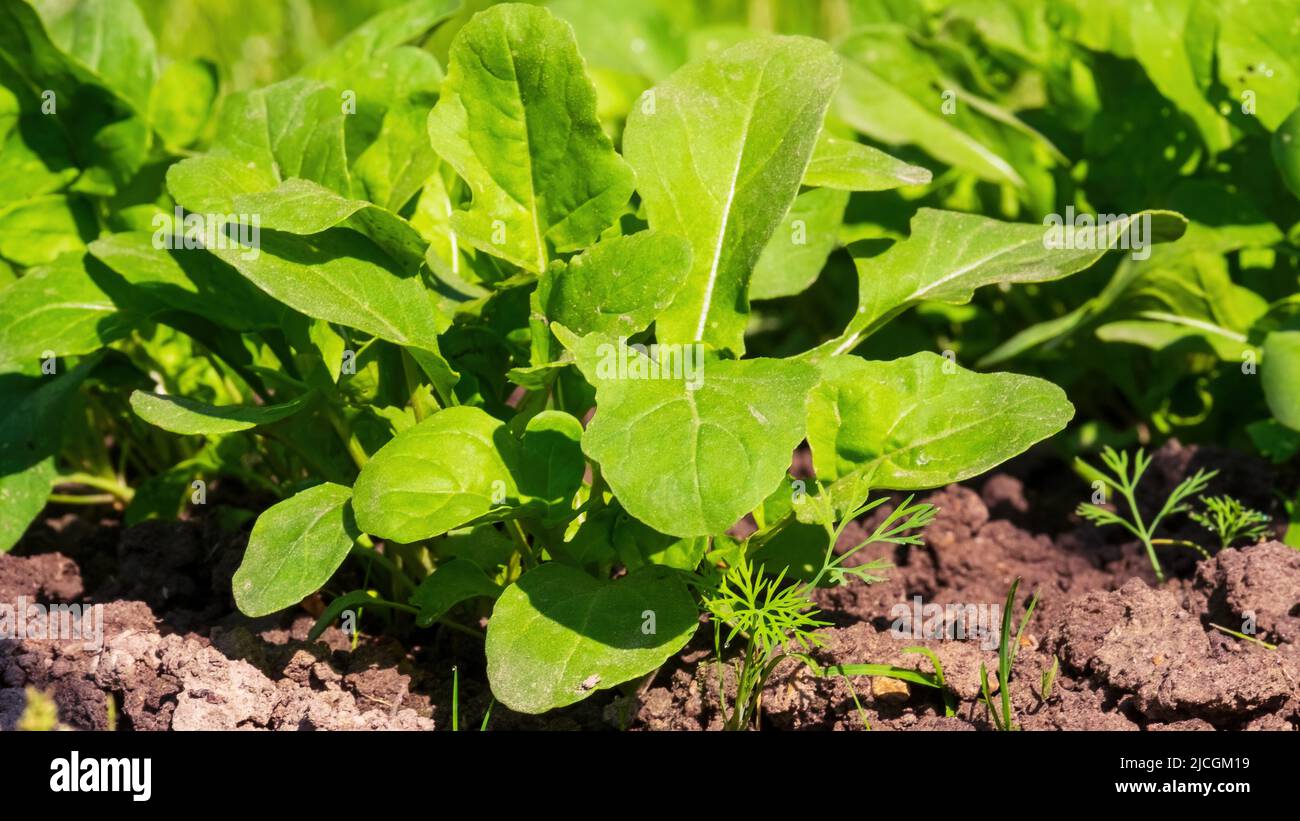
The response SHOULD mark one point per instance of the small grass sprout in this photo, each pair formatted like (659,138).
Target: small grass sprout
(1007,650)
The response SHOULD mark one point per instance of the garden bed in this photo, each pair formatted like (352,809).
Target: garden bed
(1133,655)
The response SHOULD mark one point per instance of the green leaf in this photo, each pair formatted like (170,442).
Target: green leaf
(58,309)
(1171,40)
(618,286)
(798,250)
(950,254)
(1286,151)
(719,149)
(892,93)
(517,120)
(293,128)
(690,446)
(101,127)
(922,421)
(450,584)
(558,635)
(302,207)
(846,165)
(446,471)
(1259,52)
(340,275)
(37,231)
(551,464)
(110,39)
(1280,370)
(295,546)
(31,429)
(188,280)
(192,418)
(399,161)
(182,101)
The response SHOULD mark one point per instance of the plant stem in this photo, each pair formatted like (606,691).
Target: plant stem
(91,499)
(112,486)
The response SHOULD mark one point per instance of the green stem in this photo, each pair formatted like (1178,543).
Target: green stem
(112,486)
(92,499)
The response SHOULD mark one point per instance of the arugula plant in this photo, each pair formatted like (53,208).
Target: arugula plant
(455,264)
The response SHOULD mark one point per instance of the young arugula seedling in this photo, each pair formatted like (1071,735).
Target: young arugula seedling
(1230,520)
(1124,481)
(1007,650)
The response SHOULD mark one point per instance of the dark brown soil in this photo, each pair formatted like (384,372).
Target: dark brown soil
(177,655)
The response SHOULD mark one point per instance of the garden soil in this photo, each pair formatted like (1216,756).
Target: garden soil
(1132,655)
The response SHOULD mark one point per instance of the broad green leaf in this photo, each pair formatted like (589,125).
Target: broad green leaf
(617,287)
(922,421)
(295,547)
(1166,43)
(450,469)
(719,149)
(1189,275)
(110,39)
(799,248)
(517,120)
(182,101)
(1286,151)
(646,39)
(188,280)
(846,165)
(1280,370)
(1259,54)
(59,309)
(193,418)
(637,544)
(551,465)
(37,158)
(380,75)
(302,207)
(688,445)
(207,184)
(291,129)
(340,275)
(31,427)
(102,129)
(450,584)
(38,230)
(398,163)
(1158,331)
(892,92)
(387,30)
(950,254)
(558,635)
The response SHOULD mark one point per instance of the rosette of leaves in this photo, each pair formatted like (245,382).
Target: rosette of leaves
(457,266)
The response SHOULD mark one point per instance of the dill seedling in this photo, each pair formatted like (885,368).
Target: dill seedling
(1230,520)
(778,620)
(1125,482)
